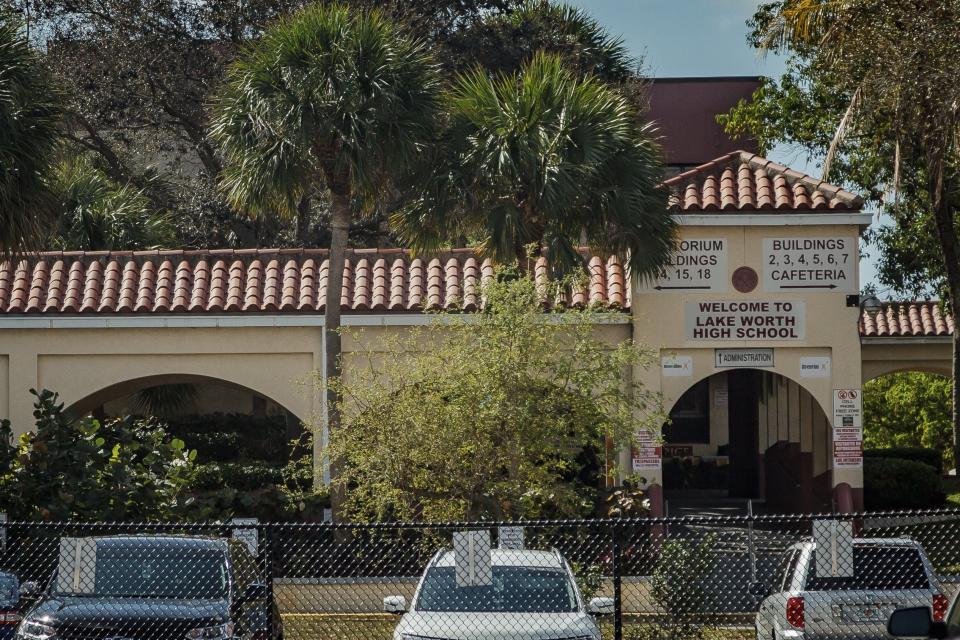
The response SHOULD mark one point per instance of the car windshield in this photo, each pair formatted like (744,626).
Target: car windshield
(512,590)
(875,568)
(9,591)
(156,572)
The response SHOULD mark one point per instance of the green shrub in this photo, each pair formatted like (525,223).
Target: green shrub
(917,454)
(895,483)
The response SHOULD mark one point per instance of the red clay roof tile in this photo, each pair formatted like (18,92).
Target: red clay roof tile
(742,181)
(251,281)
(923,319)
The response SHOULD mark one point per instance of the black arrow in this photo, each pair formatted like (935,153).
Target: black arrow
(661,287)
(808,286)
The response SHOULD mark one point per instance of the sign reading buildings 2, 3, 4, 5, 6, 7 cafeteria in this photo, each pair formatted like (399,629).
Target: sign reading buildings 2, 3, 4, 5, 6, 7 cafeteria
(810,264)
(698,265)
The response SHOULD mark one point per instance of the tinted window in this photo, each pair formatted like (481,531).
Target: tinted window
(513,589)
(9,591)
(158,572)
(875,568)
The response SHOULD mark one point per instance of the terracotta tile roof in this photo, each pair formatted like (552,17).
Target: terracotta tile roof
(742,181)
(267,281)
(917,319)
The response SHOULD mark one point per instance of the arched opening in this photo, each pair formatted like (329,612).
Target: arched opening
(907,421)
(249,446)
(747,436)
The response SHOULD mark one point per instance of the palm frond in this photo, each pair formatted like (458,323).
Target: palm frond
(31,113)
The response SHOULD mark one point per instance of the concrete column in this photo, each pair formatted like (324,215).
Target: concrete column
(19,399)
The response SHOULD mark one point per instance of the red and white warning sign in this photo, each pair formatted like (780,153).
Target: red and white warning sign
(647,453)
(847,428)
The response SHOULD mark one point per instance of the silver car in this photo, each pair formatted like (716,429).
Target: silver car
(888,573)
(532,596)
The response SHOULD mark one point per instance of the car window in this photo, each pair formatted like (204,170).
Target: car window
(875,568)
(157,572)
(9,589)
(513,589)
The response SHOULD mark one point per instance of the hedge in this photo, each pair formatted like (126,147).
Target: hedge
(929,457)
(896,483)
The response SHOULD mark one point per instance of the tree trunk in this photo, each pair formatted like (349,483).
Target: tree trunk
(303,221)
(340,213)
(946,232)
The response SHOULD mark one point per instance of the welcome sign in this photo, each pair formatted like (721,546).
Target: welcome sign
(749,320)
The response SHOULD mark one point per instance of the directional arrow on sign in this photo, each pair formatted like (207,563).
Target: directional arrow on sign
(662,287)
(808,286)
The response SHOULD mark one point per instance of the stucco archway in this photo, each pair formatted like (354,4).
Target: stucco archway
(748,434)
(96,399)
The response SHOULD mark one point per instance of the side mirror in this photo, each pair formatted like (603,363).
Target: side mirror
(395,604)
(915,622)
(758,590)
(600,606)
(29,589)
(254,591)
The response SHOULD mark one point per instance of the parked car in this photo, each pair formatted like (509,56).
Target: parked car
(156,588)
(532,596)
(9,605)
(888,573)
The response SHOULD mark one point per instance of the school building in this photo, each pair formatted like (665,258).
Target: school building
(763,338)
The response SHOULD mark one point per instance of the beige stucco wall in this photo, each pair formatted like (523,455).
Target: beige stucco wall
(830,325)
(80,364)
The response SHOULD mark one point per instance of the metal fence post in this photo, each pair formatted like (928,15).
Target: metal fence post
(267,537)
(617,569)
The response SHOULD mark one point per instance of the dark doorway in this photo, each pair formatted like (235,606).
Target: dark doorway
(744,400)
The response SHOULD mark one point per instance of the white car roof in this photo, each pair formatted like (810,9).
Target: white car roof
(868,542)
(512,558)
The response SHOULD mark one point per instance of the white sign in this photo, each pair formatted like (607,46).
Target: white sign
(648,452)
(743,358)
(676,366)
(471,558)
(748,320)
(510,538)
(697,265)
(77,565)
(810,264)
(847,428)
(815,367)
(248,534)
(834,550)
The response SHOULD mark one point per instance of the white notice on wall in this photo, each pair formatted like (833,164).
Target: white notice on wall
(847,428)
(648,452)
(810,264)
(815,367)
(676,366)
(697,265)
(748,320)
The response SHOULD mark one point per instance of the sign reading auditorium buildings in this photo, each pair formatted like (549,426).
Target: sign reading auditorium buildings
(748,320)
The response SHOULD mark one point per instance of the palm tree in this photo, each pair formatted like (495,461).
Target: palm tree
(97,214)
(549,158)
(329,99)
(30,116)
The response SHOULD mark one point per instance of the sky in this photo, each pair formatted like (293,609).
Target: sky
(698,38)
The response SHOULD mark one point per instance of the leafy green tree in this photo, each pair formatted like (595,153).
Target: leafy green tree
(491,421)
(330,100)
(908,410)
(86,469)
(97,214)
(895,63)
(503,42)
(549,158)
(30,118)
(678,586)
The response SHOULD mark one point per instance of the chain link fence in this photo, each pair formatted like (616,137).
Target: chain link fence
(770,577)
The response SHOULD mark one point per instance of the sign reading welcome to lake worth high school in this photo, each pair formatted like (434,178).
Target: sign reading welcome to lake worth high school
(809,264)
(697,265)
(747,320)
